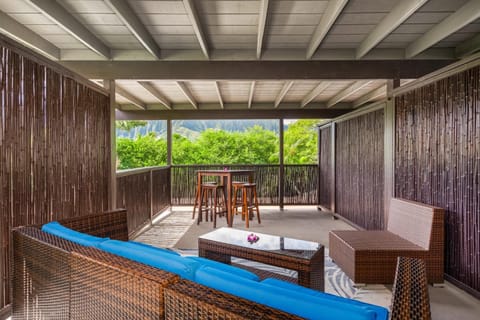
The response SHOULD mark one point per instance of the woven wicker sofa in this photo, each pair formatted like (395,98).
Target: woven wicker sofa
(54,278)
(413,230)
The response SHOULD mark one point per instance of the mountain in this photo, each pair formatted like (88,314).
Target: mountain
(192,128)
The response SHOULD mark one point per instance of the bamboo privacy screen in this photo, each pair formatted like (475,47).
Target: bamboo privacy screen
(437,161)
(54,148)
(325,168)
(359,173)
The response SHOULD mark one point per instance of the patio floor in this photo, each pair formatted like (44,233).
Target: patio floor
(179,231)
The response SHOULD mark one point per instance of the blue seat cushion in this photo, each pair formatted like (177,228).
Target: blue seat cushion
(382,313)
(152,257)
(144,246)
(83,239)
(297,303)
(226,268)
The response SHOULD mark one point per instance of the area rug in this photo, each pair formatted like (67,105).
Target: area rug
(336,281)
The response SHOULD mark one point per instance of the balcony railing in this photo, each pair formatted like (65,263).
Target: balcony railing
(147,191)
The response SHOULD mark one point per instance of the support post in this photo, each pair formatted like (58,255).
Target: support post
(281,173)
(169,142)
(112,181)
(333,168)
(389,146)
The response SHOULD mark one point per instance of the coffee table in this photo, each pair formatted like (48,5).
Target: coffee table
(305,257)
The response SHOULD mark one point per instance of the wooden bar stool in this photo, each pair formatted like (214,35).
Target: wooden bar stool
(197,197)
(248,203)
(212,201)
(237,196)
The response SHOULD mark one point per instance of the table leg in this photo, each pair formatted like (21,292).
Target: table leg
(314,278)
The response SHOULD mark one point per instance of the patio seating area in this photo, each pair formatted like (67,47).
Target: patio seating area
(389,91)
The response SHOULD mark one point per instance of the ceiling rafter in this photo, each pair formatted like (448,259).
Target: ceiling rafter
(468,13)
(333,10)
(58,14)
(286,86)
(197,27)
(183,87)
(26,36)
(127,95)
(314,93)
(369,96)
(219,94)
(136,27)
(262,21)
(154,92)
(397,16)
(250,94)
(468,47)
(347,92)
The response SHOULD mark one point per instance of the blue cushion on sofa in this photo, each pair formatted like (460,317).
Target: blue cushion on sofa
(297,303)
(155,258)
(144,246)
(382,313)
(226,268)
(84,239)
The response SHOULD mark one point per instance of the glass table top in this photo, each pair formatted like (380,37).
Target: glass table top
(270,243)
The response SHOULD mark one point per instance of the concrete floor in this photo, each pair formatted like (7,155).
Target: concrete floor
(448,302)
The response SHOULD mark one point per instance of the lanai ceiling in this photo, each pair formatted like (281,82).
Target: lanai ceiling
(250,54)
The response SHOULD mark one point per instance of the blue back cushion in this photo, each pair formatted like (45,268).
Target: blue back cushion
(297,303)
(226,268)
(382,313)
(84,239)
(155,258)
(144,246)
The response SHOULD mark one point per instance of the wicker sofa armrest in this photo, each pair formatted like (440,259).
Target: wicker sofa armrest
(107,286)
(189,300)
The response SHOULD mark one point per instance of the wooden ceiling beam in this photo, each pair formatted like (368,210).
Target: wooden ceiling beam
(280,113)
(186,92)
(262,21)
(136,27)
(250,94)
(19,32)
(219,94)
(58,14)
(286,86)
(468,47)
(347,92)
(333,10)
(314,93)
(468,13)
(197,26)
(256,70)
(154,92)
(400,13)
(127,95)
(375,93)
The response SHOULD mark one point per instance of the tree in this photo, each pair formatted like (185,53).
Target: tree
(143,151)
(300,142)
(127,125)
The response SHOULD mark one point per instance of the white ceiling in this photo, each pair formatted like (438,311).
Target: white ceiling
(176,30)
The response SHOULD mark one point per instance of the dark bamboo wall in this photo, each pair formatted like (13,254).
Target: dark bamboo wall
(325,183)
(359,172)
(438,162)
(54,148)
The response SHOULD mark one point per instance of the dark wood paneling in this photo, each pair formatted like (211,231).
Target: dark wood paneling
(359,176)
(438,163)
(54,148)
(161,190)
(325,183)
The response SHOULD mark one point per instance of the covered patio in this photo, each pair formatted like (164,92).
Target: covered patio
(395,82)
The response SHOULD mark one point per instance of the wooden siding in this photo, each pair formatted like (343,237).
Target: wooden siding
(438,163)
(325,175)
(359,176)
(54,148)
